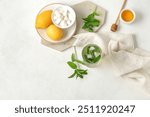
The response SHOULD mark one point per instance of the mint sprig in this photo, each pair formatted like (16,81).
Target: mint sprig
(74,64)
(90,22)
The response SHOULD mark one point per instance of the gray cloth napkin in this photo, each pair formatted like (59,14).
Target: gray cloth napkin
(127,60)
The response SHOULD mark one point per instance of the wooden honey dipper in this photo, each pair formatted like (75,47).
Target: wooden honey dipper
(114,26)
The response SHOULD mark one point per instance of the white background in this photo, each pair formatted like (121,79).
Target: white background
(29,70)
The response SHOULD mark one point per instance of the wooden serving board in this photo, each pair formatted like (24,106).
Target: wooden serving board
(82,10)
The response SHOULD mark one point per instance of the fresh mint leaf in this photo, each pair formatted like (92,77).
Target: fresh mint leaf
(90,22)
(72,75)
(72,65)
(82,71)
(81,76)
(95,23)
(77,71)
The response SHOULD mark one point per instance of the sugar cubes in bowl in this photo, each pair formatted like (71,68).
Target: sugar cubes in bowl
(64,16)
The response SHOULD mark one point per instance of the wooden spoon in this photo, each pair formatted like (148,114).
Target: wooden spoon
(114,26)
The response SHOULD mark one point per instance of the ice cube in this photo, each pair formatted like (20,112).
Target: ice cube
(57,14)
(55,17)
(66,18)
(65,12)
(57,21)
(63,23)
(96,54)
(91,48)
(89,56)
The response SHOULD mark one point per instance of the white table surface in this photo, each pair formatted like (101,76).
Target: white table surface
(29,70)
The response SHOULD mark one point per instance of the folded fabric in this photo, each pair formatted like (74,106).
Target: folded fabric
(127,60)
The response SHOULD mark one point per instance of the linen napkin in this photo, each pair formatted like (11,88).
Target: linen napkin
(127,60)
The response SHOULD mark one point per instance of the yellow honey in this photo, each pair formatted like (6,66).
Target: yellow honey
(127,15)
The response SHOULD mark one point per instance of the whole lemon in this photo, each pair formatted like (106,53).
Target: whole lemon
(44,19)
(54,32)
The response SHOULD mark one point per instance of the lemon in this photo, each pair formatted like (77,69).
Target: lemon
(44,19)
(54,32)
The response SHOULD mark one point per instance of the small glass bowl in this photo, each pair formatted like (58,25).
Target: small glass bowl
(127,22)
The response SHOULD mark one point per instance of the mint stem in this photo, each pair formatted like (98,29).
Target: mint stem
(76,55)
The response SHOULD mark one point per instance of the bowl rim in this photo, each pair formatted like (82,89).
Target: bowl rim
(74,13)
(126,21)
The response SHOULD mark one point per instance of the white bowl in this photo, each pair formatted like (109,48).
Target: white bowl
(72,12)
(126,21)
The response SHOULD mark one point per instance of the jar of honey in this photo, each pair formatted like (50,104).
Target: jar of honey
(127,16)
